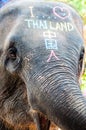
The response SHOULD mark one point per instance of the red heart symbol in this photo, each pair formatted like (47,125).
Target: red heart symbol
(61,12)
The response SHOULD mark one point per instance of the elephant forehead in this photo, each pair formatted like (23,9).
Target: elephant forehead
(48,24)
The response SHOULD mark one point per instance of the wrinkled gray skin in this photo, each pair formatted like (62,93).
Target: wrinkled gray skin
(52,82)
(14,107)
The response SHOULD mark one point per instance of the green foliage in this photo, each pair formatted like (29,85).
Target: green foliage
(80,5)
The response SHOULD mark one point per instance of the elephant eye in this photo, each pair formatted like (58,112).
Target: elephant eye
(12,61)
(12,53)
(81,56)
(81,61)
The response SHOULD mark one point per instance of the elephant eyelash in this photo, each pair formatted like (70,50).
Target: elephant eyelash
(81,61)
(12,53)
(82,55)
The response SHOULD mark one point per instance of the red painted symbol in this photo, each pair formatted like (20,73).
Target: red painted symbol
(61,12)
(51,55)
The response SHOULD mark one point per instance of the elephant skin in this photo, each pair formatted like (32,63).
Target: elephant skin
(41,44)
(14,106)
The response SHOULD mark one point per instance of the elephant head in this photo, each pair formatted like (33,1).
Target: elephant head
(14,106)
(42,44)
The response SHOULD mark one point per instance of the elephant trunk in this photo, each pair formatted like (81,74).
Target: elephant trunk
(66,103)
(70,108)
(58,96)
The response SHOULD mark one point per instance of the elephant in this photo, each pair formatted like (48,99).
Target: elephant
(41,44)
